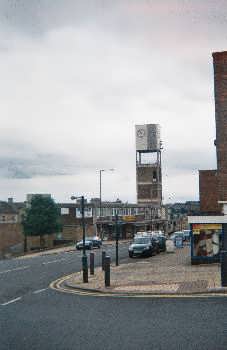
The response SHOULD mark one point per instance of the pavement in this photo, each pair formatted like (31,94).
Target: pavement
(165,273)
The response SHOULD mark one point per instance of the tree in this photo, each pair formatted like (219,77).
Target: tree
(42,217)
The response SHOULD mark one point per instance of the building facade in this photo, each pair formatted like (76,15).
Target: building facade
(131,218)
(213,183)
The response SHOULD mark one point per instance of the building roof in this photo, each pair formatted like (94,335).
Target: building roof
(6,208)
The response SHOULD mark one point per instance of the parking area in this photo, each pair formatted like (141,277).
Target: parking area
(162,273)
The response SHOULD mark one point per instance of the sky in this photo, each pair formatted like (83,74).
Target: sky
(76,76)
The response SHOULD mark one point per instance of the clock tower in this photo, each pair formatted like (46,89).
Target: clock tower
(148,164)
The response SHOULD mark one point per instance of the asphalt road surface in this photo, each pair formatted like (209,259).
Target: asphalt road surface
(32,316)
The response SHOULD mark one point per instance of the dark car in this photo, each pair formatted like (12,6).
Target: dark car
(156,244)
(96,241)
(142,246)
(161,243)
(88,244)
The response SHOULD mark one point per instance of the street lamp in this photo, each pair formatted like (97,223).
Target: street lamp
(84,257)
(100,195)
(117,237)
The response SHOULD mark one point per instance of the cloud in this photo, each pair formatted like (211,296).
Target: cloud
(77,76)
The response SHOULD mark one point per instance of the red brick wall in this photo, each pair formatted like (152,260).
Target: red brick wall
(10,235)
(208,185)
(220,90)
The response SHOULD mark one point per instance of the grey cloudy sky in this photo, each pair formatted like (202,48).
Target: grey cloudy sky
(76,76)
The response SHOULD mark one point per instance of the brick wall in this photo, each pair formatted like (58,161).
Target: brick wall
(208,185)
(148,183)
(213,184)
(220,90)
(75,232)
(10,235)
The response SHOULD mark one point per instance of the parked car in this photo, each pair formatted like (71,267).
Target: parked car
(142,246)
(97,242)
(176,234)
(162,243)
(155,241)
(88,244)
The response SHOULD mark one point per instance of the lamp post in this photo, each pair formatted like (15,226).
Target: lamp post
(100,196)
(117,238)
(84,257)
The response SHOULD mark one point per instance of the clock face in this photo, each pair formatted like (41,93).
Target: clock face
(141,133)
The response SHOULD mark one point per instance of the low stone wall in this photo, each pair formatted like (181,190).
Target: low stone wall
(75,232)
(10,235)
(33,242)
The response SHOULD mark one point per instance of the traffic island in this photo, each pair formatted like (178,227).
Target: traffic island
(163,274)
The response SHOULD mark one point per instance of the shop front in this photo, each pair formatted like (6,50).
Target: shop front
(206,238)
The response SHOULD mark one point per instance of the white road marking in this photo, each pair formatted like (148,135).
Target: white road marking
(39,291)
(16,269)
(11,301)
(54,261)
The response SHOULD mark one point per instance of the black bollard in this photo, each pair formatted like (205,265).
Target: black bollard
(85,268)
(92,263)
(107,271)
(103,260)
(223,260)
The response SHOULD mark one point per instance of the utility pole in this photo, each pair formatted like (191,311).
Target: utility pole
(84,257)
(117,238)
(100,198)
(100,201)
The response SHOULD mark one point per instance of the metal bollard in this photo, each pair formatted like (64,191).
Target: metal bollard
(223,259)
(92,263)
(103,260)
(85,269)
(107,271)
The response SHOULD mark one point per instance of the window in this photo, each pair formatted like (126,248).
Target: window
(154,175)
(154,193)
(64,211)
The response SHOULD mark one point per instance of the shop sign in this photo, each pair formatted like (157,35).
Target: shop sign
(129,218)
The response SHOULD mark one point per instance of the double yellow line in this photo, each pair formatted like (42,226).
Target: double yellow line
(58,286)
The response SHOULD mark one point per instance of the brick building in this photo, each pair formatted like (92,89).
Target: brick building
(213,183)
(208,235)
(11,236)
(148,164)
(132,218)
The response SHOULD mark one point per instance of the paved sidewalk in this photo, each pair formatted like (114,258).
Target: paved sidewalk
(164,273)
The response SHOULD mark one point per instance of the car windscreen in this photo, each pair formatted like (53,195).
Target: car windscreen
(141,240)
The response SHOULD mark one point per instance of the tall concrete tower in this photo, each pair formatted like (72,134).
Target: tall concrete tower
(148,164)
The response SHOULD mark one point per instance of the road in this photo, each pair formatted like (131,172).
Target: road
(33,316)
(20,277)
